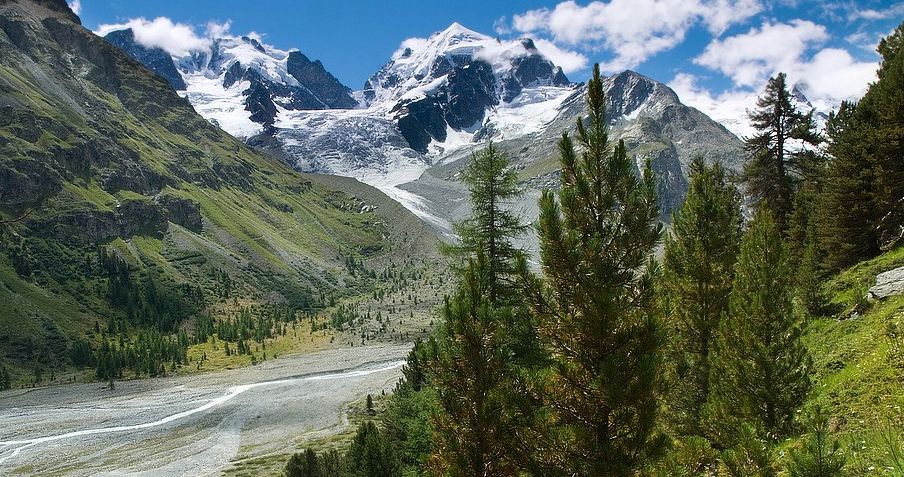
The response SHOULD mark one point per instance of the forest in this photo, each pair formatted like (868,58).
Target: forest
(639,349)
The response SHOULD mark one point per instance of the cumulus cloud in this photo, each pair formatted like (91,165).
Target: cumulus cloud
(76,6)
(633,30)
(175,38)
(569,61)
(729,107)
(829,75)
(750,57)
(501,27)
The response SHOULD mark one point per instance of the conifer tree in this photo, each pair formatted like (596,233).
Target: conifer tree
(469,371)
(594,306)
(698,269)
(759,368)
(846,210)
(886,102)
(490,230)
(303,465)
(371,454)
(772,165)
(821,455)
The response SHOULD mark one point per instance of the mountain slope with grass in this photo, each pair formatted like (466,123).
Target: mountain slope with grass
(127,216)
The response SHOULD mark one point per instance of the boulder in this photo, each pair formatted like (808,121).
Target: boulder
(888,284)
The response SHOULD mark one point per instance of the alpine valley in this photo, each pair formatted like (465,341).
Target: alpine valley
(219,260)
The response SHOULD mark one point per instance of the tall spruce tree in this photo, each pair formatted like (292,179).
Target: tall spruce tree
(595,304)
(860,209)
(773,166)
(470,373)
(885,98)
(846,214)
(759,367)
(698,269)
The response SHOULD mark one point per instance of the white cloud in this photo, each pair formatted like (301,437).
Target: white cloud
(177,39)
(500,26)
(76,6)
(873,14)
(833,75)
(827,75)
(633,30)
(749,58)
(728,108)
(569,61)
(218,30)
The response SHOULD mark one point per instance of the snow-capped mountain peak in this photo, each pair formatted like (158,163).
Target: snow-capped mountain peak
(421,64)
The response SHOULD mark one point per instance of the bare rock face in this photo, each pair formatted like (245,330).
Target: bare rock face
(888,284)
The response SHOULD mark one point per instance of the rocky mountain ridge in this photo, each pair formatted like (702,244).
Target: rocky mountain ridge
(436,100)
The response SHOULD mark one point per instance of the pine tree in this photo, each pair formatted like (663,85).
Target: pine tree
(846,214)
(371,454)
(860,209)
(697,272)
(760,368)
(821,455)
(772,165)
(595,304)
(303,465)
(469,370)
(886,102)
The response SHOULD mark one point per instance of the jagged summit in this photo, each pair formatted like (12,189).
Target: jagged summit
(242,84)
(421,64)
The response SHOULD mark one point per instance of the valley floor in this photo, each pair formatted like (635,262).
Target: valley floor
(190,425)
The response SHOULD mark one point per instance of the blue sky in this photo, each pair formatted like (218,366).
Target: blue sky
(712,52)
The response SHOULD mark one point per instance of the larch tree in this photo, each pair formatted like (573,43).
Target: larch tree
(774,162)
(595,305)
(759,368)
(492,226)
(698,269)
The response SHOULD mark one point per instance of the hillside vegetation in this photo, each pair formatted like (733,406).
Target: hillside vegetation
(129,218)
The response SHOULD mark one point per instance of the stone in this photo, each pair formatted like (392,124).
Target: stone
(888,284)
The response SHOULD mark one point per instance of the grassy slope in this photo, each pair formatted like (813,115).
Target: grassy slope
(83,111)
(859,378)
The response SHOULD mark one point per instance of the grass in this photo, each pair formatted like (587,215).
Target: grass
(858,377)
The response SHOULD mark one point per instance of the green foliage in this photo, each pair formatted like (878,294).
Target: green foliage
(469,368)
(772,167)
(594,306)
(861,208)
(698,269)
(688,457)
(750,456)
(821,455)
(309,464)
(492,184)
(760,368)
(371,454)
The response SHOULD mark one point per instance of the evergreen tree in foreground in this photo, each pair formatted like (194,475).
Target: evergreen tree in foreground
(470,374)
(760,368)
(594,306)
(821,455)
(698,269)
(772,165)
